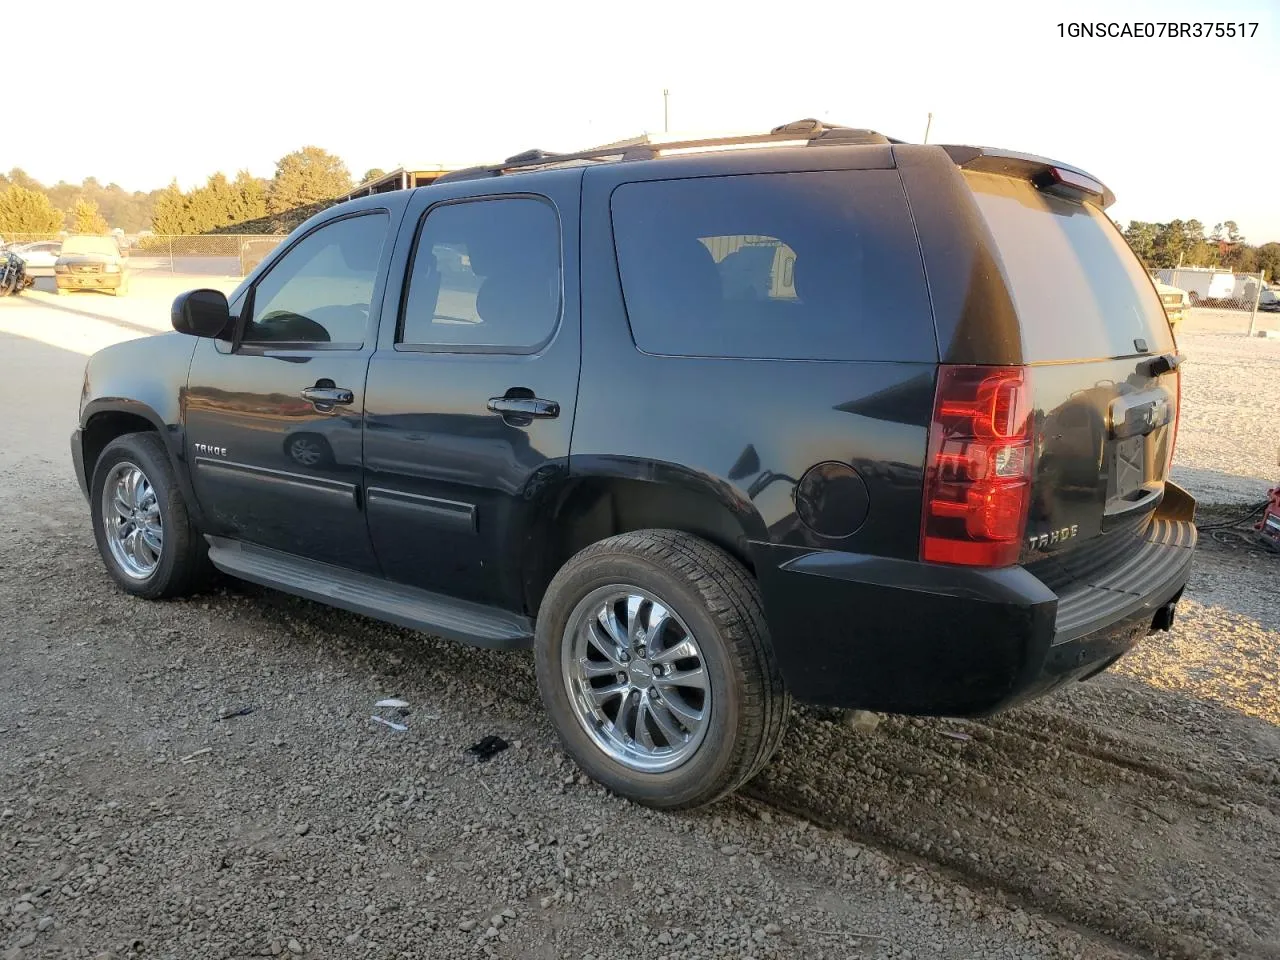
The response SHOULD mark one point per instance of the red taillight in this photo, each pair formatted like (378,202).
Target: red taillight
(1177,418)
(977,488)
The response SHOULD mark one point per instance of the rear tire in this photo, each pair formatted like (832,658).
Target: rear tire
(713,605)
(134,488)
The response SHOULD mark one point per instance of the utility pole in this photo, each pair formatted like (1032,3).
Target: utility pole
(927,125)
(666,119)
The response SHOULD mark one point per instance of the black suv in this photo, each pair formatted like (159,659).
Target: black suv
(710,424)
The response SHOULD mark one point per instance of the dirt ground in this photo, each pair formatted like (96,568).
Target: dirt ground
(1134,815)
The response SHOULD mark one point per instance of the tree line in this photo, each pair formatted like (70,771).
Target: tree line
(1186,243)
(307,179)
(303,178)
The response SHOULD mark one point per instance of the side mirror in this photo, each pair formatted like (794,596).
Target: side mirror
(202,313)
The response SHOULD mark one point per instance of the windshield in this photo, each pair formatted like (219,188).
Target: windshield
(102,245)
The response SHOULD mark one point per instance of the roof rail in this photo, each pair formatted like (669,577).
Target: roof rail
(811,132)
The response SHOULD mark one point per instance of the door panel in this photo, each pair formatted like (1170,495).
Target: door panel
(455,446)
(270,467)
(274,422)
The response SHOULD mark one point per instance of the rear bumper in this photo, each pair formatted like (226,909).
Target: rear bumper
(89,281)
(907,637)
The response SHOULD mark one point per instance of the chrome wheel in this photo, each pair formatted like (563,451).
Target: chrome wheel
(636,679)
(131,521)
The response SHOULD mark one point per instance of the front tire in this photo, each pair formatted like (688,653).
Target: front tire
(140,520)
(654,662)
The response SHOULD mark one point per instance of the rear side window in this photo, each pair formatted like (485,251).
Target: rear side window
(788,266)
(1080,292)
(485,276)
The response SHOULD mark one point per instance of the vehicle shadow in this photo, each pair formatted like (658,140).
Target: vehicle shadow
(104,317)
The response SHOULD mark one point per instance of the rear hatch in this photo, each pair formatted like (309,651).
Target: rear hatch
(1102,374)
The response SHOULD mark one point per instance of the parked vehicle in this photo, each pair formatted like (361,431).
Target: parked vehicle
(917,462)
(92,263)
(40,257)
(1269,300)
(1176,303)
(253,251)
(13,275)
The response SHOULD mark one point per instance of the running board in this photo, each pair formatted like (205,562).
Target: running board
(405,606)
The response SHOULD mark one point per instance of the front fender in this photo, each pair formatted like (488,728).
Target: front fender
(143,379)
(145,376)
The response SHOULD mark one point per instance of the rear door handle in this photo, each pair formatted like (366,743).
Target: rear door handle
(328,395)
(524,410)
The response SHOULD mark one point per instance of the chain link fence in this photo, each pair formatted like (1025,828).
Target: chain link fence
(197,255)
(1220,300)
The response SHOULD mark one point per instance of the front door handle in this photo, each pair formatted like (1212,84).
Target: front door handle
(325,397)
(521,411)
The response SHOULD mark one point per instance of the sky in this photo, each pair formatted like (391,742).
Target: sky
(157,90)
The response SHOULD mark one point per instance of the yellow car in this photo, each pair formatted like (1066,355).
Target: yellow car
(1175,301)
(92,263)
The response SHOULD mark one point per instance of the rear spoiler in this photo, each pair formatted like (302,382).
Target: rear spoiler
(1048,175)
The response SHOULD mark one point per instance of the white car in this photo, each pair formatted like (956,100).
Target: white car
(40,257)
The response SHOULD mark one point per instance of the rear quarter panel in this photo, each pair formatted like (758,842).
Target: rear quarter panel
(745,431)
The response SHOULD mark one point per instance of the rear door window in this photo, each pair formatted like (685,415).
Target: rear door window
(1080,292)
(485,276)
(790,266)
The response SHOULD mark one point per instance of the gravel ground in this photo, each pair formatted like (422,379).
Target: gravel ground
(1138,814)
(1229,437)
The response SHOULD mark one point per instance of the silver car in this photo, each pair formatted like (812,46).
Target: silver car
(40,257)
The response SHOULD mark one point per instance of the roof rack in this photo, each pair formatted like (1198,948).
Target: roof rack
(807,132)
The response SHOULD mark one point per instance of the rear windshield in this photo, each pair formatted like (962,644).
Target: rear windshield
(789,266)
(1080,292)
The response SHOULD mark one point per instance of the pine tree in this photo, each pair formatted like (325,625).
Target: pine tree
(252,200)
(212,205)
(171,216)
(27,211)
(87,219)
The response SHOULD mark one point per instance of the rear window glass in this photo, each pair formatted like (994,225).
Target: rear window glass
(1080,292)
(792,266)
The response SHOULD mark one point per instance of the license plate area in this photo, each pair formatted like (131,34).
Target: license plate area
(1128,469)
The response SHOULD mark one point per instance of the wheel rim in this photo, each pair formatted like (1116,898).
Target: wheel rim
(131,521)
(636,678)
(305,452)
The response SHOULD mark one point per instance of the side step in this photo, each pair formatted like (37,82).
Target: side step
(405,606)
